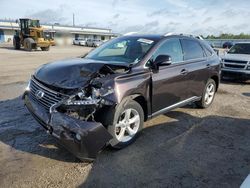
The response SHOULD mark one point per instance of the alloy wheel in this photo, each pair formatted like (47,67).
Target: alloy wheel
(128,125)
(209,95)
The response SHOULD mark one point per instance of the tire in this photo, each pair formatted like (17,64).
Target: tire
(28,44)
(207,95)
(45,48)
(128,110)
(16,42)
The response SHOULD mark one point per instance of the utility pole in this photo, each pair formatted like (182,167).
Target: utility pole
(73,20)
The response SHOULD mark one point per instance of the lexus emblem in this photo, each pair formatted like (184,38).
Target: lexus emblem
(39,94)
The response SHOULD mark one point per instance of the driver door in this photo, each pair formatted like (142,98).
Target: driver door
(170,82)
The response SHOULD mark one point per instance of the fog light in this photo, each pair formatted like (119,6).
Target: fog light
(78,136)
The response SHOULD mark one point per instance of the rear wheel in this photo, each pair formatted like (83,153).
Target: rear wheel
(16,42)
(208,94)
(127,123)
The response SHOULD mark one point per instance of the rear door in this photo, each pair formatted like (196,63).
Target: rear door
(197,65)
(170,83)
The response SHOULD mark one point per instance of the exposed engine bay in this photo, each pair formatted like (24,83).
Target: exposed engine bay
(88,101)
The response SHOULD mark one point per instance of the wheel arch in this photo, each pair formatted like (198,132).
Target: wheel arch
(140,99)
(216,79)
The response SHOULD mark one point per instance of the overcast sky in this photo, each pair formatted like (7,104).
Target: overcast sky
(146,16)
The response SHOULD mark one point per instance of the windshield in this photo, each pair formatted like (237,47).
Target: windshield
(240,49)
(124,49)
(34,23)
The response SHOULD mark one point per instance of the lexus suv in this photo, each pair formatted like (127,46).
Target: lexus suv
(236,62)
(105,97)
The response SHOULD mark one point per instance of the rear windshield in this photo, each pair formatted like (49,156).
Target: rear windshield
(240,49)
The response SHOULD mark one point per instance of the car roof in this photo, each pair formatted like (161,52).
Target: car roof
(159,37)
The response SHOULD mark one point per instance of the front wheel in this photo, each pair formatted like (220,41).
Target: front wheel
(45,48)
(127,123)
(208,94)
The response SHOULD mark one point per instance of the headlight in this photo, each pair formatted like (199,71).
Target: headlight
(96,96)
(28,86)
(82,102)
(81,94)
(106,91)
(95,93)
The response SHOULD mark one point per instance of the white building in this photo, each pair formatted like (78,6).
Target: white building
(68,33)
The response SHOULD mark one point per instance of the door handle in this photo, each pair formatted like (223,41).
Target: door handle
(184,71)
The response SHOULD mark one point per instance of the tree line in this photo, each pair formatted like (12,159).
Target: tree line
(229,36)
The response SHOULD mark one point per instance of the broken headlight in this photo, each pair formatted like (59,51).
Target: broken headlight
(93,98)
(81,101)
(84,104)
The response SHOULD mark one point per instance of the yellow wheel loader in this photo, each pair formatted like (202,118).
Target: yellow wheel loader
(30,36)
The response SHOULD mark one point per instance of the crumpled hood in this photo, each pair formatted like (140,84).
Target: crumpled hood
(70,73)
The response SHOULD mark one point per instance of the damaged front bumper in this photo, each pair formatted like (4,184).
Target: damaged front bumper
(82,138)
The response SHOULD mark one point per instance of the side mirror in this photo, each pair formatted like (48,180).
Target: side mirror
(163,60)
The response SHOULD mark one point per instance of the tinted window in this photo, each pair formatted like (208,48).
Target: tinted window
(207,51)
(192,49)
(207,48)
(243,48)
(171,47)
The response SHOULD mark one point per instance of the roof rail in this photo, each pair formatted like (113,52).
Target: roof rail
(188,35)
(169,34)
(130,33)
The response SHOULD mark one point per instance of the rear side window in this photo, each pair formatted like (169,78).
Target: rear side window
(191,49)
(207,48)
(207,51)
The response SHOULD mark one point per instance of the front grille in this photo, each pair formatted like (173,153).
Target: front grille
(236,64)
(49,98)
(235,61)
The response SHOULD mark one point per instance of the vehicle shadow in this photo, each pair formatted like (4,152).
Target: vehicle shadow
(9,47)
(246,94)
(235,81)
(185,151)
(20,131)
(181,151)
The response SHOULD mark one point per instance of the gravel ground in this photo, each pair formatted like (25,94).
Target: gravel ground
(187,147)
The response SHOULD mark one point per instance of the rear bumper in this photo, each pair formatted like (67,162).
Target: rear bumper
(83,139)
(236,73)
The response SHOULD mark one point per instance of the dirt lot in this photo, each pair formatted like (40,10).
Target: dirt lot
(187,147)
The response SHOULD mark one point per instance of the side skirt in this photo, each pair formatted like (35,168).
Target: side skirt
(176,105)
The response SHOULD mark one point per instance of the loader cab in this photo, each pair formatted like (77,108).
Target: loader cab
(27,24)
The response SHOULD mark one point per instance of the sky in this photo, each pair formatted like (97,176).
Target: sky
(143,16)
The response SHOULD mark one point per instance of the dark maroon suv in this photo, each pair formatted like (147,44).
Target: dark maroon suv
(105,97)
